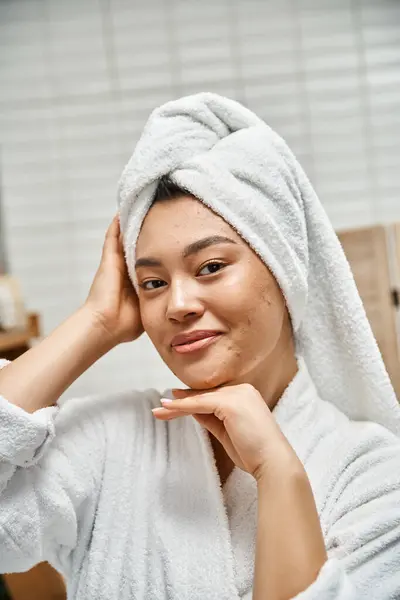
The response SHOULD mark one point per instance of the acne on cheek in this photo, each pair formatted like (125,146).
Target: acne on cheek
(270,292)
(224,362)
(234,350)
(266,297)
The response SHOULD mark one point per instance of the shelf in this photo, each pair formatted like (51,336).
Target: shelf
(21,337)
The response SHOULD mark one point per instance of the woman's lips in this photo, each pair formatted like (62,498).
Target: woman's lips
(197,345)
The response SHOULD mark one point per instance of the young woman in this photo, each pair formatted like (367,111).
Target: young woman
(275,474)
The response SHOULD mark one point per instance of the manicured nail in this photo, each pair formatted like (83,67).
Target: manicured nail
(165,400)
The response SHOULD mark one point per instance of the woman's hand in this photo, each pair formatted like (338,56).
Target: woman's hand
(290,549)
(112,298)
(240,419)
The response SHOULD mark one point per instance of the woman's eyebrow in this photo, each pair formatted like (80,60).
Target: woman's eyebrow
(147,261)
(193,248)
(211,240)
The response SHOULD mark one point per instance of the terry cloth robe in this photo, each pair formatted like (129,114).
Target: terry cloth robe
(128,507)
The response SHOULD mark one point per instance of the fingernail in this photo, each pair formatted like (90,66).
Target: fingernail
(156,410)
(165,400)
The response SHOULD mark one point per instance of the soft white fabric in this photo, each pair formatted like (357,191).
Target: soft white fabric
(127,507)
(235,164)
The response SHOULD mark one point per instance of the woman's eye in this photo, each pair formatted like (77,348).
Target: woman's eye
(152,284)
(211,267)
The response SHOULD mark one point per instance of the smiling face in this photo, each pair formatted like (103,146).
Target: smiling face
(197,276)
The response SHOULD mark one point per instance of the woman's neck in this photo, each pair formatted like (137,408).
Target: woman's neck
(279,377)
(271,380)
(271,388)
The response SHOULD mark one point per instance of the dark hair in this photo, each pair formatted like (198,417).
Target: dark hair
(168,190)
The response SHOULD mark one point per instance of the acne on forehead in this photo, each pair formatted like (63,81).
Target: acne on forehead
(182,220)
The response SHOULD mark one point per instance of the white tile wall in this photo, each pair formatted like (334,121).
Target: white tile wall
(79,78)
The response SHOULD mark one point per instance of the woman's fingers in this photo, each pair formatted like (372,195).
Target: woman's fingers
(113,228)
(200,404)
(111,237)
(208,420)
(212,424)
(192,404)
(166,415)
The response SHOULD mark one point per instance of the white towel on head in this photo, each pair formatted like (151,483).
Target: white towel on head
(239,167)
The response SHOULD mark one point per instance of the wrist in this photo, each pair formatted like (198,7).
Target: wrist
(280,470)
(98,335)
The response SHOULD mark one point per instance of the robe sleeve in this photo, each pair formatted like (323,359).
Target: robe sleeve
(363,537)
(50,465)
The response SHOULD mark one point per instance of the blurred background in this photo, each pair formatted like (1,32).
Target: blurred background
(78,79)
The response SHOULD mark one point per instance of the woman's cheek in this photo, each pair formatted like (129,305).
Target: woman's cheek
(148,318)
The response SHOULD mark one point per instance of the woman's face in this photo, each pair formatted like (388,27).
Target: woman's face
(198,278)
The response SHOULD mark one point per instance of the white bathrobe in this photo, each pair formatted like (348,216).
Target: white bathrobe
(128,507)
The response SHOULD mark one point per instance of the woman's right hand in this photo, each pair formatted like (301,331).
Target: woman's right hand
(112,298)
(110,316)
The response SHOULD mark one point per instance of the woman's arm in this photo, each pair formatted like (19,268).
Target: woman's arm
(50,467)
(39,377)
(290,549)
(109,317)
(44,486)
(361,512)
(362,516)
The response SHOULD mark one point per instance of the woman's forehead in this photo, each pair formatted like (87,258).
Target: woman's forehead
(183,219)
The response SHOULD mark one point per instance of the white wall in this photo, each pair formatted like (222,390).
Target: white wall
(79,77)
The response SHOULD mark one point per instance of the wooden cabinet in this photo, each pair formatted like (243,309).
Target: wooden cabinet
(40,583)
(372,255)
(14,343)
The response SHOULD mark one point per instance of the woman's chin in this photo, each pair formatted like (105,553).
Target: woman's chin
(198,378)
(204,370)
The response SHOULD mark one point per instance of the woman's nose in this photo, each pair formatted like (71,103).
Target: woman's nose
(183,302)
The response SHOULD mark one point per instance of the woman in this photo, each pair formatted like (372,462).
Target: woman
(275,475)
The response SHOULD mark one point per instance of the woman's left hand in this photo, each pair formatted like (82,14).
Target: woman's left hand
(288,526)
(240,419)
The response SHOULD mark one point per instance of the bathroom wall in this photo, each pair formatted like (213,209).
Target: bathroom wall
(79,77)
